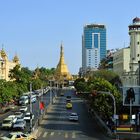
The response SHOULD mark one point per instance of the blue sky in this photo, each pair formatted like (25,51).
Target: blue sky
(34,29)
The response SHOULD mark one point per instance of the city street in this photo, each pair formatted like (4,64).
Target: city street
(56,125)
(35,109)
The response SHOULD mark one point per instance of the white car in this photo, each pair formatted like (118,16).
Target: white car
(73,117)
(13,118)
(28,116)
(20,124)
(7,123)
(18,136)
(18,114)
(23,108)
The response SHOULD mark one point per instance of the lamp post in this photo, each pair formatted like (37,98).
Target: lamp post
(31,110)
(50,92)
(1,72)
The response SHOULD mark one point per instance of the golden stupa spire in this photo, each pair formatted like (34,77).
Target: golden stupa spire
(62,55)
(62,70)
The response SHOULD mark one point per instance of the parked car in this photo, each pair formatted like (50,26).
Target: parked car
(13,118)
(19,124)
(7,123)
(73,117)
(23,108)
(28,116)
(24,100)
(18,136)
(18,114)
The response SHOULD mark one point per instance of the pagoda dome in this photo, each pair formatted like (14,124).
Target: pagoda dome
(136,20)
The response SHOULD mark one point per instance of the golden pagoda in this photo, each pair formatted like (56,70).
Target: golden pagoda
(62,72)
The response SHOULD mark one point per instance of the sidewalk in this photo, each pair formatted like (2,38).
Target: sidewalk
(128,135)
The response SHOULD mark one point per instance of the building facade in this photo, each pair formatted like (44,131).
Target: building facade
(121,60)
(131,77)
(6,65)
(93,45)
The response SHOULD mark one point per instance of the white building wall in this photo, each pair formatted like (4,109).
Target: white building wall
(121,60)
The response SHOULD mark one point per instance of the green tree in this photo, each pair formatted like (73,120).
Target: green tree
(107,75)
(103,103)
(80,85)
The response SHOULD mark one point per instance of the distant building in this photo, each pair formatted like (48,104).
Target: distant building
(93,46)
(121,60)
(107,62)
(6,65)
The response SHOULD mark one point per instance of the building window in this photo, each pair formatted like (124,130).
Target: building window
(138,55)
(138,42)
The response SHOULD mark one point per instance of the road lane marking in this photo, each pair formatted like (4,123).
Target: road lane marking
(73,135)
(52,133)
(66,135)
(45,134)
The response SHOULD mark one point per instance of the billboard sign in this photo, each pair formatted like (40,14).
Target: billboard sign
(131,94)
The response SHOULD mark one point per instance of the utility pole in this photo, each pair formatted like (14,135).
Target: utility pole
(50,92)
(31,111)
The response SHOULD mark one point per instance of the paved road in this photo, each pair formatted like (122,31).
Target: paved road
(56,125)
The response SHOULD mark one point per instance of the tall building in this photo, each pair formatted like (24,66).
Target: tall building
(134,33)
(131,77)
(6,65)
(93,45)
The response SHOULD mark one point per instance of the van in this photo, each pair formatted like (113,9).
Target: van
(33,99)
(24,100)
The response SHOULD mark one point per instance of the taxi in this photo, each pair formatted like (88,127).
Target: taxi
(69,105)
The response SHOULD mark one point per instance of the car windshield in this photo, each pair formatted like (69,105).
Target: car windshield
(17,113)
(27,115)
(18,122)
(68,96)
(6,121)
(23,135)
(73,114)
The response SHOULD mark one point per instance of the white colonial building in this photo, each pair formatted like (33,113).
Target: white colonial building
(126,61)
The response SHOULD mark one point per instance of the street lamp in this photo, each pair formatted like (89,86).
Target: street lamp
(31,109)
(2,62)
(51,92)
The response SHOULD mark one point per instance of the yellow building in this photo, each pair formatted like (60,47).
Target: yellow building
(62,72)
(6,65)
